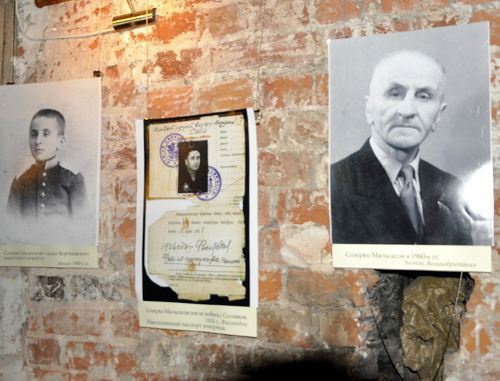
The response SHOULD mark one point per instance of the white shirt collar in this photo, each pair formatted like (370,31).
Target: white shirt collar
(392,166)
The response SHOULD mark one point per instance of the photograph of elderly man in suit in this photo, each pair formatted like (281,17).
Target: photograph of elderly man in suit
(385,193)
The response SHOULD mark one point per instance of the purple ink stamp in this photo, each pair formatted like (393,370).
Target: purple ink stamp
(214,185)
(169,149)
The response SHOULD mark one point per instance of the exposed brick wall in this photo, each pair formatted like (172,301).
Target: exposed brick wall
(203,57)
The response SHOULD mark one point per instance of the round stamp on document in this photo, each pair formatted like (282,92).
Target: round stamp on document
(214,185)
(169,149)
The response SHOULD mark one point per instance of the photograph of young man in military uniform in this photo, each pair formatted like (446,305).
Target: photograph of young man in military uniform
(47,189)
(49,163)
(193,167)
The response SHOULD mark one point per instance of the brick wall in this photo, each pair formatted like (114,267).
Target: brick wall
(203,57)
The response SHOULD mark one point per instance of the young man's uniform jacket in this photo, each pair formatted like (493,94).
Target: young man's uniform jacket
(43,193)
(366,209)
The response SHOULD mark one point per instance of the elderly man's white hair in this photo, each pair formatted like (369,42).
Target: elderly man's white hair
(410,53)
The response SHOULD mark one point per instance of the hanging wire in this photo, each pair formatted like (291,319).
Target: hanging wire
(257,90)
(147,63)
(23,30)
(449,328)
(131,6)
(98,73)
(12,71)
(393,364)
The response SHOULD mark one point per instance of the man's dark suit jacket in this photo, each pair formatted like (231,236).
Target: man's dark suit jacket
(365,208)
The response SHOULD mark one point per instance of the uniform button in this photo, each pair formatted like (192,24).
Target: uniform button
(42,205)
(44,174)
(42,194)
(44,184)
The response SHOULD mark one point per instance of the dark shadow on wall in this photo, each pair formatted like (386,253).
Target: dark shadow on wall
(314,366)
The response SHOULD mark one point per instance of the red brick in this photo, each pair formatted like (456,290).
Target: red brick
(467,330)
(226,21)
(123,94)
(338,289)
(74,322)
(493,16)
(286,15)
(125,323)
(285,325)
(288,92)
(226,96)
(81,355)
(341,328)
(126,230)
(124,189)
(305,129)
(399,25)
(268,131)
(269,246)
(242,54)
(269,285)
(112,71)
(57,374)
(484,342)
(33,322)
(476,299)
(44,351)
(301,206)
(328,12)
(189,3)
(340,32)
(388,6)
(104,11)
(118,154)
(444,20)
(284,168)
(369,7)
(474,1)
(168,28)
(94,44)
(281,208)
(264,214)
(89,356)
(174,65)
(304,245)
(321,86)
(176,101)
(213,358)
(289,49)
(119,53)
(124,363)
(142,376)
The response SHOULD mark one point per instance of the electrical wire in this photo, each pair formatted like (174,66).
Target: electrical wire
(257,91)
(24,31)
(449,328)
(147,63)
(393,364)
(99,40)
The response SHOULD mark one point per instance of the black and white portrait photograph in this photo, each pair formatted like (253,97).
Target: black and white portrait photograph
(193,167)
(49,163)
(410,150)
